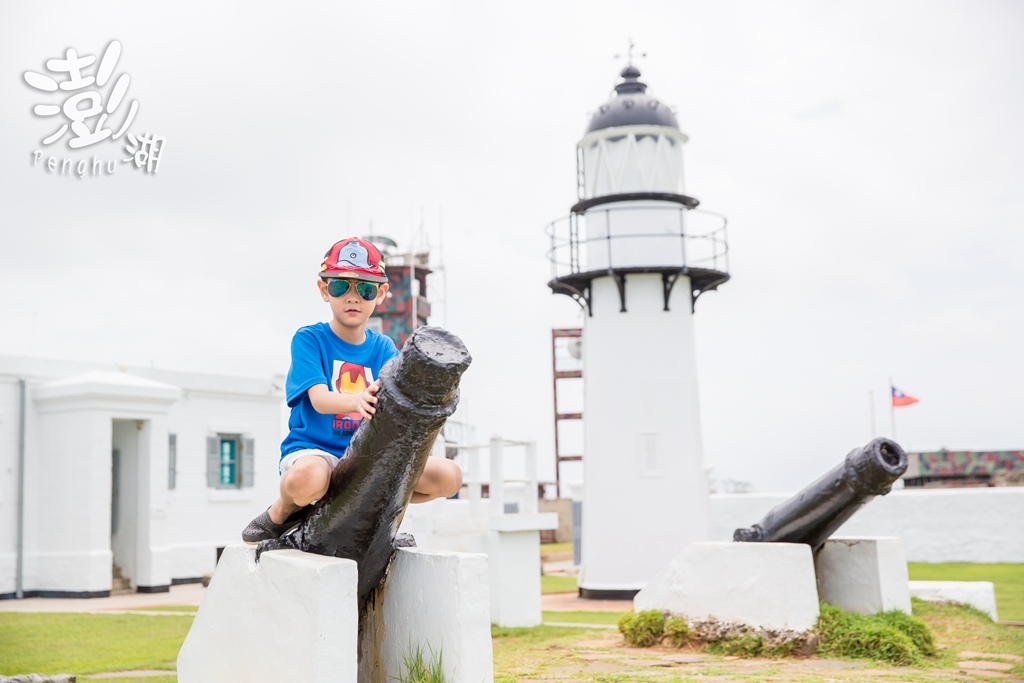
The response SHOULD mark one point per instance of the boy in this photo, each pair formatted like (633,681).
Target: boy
(331,388)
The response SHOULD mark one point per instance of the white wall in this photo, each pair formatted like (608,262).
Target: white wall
(8,476)
(204,518)
(936,525)
(642,430)
(68,472)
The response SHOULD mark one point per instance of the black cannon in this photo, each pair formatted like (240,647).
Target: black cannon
(812,515)
(371,486)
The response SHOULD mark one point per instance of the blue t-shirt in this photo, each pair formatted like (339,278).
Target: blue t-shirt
(320,357)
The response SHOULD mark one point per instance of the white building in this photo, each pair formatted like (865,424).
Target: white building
(142,471)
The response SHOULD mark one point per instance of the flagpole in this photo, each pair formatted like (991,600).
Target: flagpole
(892,411)
(871,412)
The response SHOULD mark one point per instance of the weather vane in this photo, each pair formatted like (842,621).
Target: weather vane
(629,54)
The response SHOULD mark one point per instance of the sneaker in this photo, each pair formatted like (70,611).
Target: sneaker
(263,528)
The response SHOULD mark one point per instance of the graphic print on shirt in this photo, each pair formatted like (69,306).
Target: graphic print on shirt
(349,378)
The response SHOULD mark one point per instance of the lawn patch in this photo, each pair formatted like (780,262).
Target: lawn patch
(88,643)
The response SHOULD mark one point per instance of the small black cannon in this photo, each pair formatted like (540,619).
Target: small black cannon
(812,515)
(371,486)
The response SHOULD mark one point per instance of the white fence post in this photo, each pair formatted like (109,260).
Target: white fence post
(472,477)
(532,488)
(497,489)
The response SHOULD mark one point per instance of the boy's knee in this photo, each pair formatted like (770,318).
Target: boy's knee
(456,480)
(449,479)
(306,479)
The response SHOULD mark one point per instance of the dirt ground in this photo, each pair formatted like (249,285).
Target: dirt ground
(602,655)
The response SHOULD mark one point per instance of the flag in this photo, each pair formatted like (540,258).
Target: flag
(900,399)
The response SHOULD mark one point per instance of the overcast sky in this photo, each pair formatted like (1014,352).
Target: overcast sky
(868,155)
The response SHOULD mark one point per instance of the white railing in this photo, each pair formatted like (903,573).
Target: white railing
(473,480)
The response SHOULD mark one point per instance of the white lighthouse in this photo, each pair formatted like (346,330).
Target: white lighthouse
(635,253)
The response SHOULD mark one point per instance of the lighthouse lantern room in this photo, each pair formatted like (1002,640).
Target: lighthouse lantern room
(636,252)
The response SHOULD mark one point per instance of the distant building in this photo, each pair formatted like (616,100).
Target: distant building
(932,469)
(406,306)
(109,472)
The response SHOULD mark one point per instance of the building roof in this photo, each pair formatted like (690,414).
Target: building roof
(632,106)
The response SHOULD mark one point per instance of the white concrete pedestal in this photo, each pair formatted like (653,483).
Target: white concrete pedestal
(293,617)
(511,543)
(863,575)
(978,594)
(435,601)
(763,585)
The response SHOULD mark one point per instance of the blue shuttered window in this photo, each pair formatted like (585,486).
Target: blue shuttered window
(229,461)
(172,461)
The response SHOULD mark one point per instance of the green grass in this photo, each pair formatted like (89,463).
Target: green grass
(882,636)
(421,668)
(183,609)
(559,653)
(970,629)
(88,643)
(610,618)
(553,583)
(84,644)
(534,635)
(546,548)
(1008,580)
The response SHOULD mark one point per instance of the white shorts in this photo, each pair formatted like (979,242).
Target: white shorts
(289,460)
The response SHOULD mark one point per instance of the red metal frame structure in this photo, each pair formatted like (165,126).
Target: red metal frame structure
(556,375)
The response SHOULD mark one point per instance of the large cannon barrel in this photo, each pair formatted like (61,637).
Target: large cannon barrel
(371,486)
(814,514)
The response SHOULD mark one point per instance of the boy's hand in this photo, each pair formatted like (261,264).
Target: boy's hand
(327,402)
(367,405)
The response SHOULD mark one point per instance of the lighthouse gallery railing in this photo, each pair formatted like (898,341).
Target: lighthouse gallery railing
(685,238)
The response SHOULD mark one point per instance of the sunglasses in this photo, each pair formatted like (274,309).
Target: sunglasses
(367,290)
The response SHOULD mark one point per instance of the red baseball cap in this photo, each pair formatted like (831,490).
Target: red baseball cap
(355,258)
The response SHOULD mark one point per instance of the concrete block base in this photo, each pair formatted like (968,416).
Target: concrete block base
(768,586)
(978,594)
(292,617)
(437,602)
(863,575)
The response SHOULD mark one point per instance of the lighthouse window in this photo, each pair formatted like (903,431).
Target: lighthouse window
(650,455)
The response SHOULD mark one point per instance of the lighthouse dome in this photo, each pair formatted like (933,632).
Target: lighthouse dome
(632,106)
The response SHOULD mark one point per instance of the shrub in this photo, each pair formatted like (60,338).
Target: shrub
(845,634)
(642,629)
(913,628)
(677,631)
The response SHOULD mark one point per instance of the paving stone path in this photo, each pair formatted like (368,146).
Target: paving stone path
(606,655)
